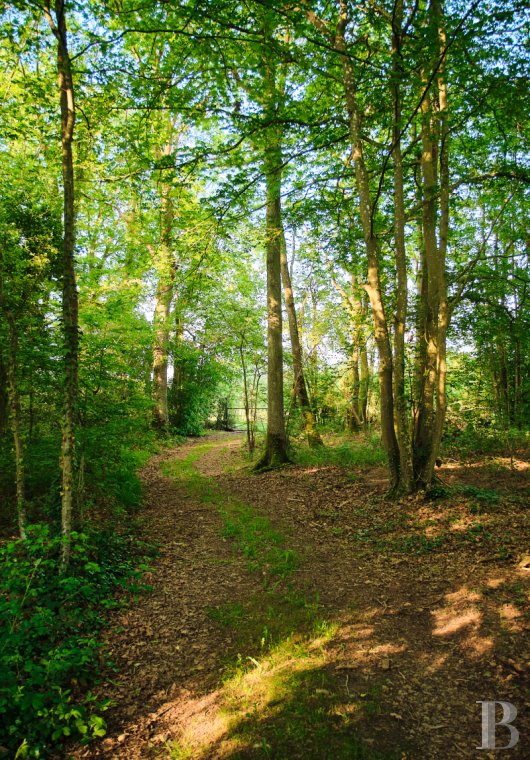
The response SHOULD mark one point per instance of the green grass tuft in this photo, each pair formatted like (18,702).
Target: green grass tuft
(364,451)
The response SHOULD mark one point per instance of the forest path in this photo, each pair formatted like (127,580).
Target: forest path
(166,647)
(328,622)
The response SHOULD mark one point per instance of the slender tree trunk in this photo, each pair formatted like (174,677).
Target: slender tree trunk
(373,285)
(16,425)
(364,386)
(254,402)
(4,399)
(312,359)
(359,357)
(70,300)
(300,387)
(364,365)
(276,440)
(425,420)
(160,355)
(275,452)
(246,401)
(355,421)
(165,292)
(434,139)
(518,387)
(31,415)
(400,321)
(504,391)
(443,302)
(420,350)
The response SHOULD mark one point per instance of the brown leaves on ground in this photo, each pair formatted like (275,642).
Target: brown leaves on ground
(430,600)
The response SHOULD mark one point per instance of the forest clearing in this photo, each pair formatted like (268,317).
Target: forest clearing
(264,379)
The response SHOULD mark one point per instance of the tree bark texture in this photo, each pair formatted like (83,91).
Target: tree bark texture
(373,285)
(165,292)
(300,387)
(435,176)
(401,420)
(70,299)
(275,452)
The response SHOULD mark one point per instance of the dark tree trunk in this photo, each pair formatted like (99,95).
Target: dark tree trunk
(70,300)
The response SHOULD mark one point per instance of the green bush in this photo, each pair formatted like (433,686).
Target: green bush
(194,390)
(49,650)
(365,450)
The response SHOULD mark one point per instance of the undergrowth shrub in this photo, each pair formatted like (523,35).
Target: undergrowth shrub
(362,451)
(50,654)
(476,438)
(193,397)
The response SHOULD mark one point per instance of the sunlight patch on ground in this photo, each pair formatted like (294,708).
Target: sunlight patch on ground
(504,462)
(433,663)
(458,613)
(496,582)
(464,595)
(448,622)
(512,618)
(257,691)
(478,646)
(461,618)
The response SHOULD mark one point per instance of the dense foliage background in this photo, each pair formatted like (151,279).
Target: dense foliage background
(177,106)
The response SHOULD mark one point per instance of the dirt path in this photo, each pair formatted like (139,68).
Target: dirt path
(168,651)
(421,612)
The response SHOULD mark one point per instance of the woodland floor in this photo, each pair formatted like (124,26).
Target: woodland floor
(300,614)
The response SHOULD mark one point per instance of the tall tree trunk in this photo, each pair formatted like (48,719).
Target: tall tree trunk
(165,292)
(518,417)
(276,440)
(430,306)
(434,141)
(246,400)
(300,387)
(443,302)
(364,366)
(373,285)
(400,320)
(70,301)
(356,306)
(420,348)
(275,452)
(355,421)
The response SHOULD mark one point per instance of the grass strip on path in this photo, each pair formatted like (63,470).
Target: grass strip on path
(279,696)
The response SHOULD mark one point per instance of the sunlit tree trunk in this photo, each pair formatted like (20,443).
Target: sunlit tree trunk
(354,418)
(300,387)
(246,400)
(400,320)
(443,303)
(57,24)
(165,292)
(355,304)
(373,285)
(434,142)
(276,439)
(364,366)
